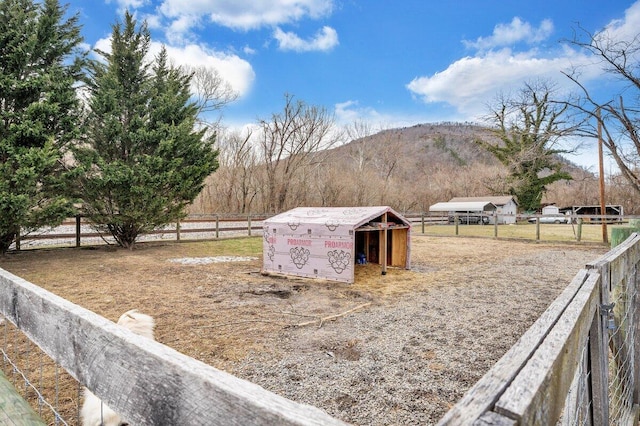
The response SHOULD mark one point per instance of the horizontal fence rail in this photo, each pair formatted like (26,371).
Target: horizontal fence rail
(78,231)
(579,363)
(147,382)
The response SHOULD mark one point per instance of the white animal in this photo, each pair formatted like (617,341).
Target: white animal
(94,412)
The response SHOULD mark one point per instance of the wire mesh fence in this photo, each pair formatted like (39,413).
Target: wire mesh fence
(621,343)
(578,404)
(51,392)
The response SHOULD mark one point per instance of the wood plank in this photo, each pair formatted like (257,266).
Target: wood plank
(537,395)
(14,410)
(399,248)
(599,370)
(494,419)
(483,395)
(147,382)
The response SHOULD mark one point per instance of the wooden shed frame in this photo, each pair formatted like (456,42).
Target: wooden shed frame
(327,242)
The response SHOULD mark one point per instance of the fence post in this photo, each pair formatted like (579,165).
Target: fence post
(178,230)
(78,230)
(217,226)
(579,236)
(495,225)
(456,220)
(18,240)
(537,229)
(422,220)
(598,373)
(249,224)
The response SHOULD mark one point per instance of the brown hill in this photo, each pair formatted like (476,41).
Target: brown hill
(436,146)
(407,168)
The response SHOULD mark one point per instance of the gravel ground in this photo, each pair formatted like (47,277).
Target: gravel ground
(406,362)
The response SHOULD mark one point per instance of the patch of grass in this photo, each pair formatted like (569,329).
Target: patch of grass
(250,246)
(525,231)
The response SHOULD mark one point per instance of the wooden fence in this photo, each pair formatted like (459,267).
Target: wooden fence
(77,231)
(73,232)
(580,361)
(148,383)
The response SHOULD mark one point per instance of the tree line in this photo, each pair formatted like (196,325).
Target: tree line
(124,138)
(116,138)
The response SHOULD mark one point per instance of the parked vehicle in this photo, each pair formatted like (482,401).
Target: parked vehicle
(470,219)
(551,218)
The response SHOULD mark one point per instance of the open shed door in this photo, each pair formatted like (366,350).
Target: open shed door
(398,248)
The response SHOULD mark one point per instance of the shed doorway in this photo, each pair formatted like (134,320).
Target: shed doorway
(368,244)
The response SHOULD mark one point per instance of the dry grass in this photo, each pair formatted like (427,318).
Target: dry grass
(591,233)
(221,312)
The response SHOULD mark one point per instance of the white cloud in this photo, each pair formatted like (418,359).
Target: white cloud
(104,45)
(350,111)
(324,40)
(129,4)
(469,83)
(247,14)
(233,69)
(514,32)
(153,21)
(624,29)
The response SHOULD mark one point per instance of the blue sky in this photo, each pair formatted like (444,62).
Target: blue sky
(388,63)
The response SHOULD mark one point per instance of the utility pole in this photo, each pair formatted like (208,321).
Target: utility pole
(603,206)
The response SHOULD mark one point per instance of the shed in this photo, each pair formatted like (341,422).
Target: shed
(550,209)
(506,206)
(326,242)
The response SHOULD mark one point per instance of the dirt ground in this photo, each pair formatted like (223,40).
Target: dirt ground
(395,349)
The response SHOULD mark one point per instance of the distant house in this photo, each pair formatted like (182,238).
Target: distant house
(506,206)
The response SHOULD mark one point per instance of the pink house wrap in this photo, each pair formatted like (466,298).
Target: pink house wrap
(328,242)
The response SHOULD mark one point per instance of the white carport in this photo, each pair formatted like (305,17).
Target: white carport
(463,207)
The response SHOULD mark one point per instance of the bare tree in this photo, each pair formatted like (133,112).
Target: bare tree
(386,164)
(619,115)
(290,144)
(211,92)
(238,171)
(361,153)
(527,129)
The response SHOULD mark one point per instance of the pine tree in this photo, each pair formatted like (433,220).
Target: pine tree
(39,67)
(142,161)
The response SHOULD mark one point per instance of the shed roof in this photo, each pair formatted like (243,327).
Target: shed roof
(468,206)
(350,216)
(498,200)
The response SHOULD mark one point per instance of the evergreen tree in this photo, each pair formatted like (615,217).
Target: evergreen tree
(38,113)
(143,161)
